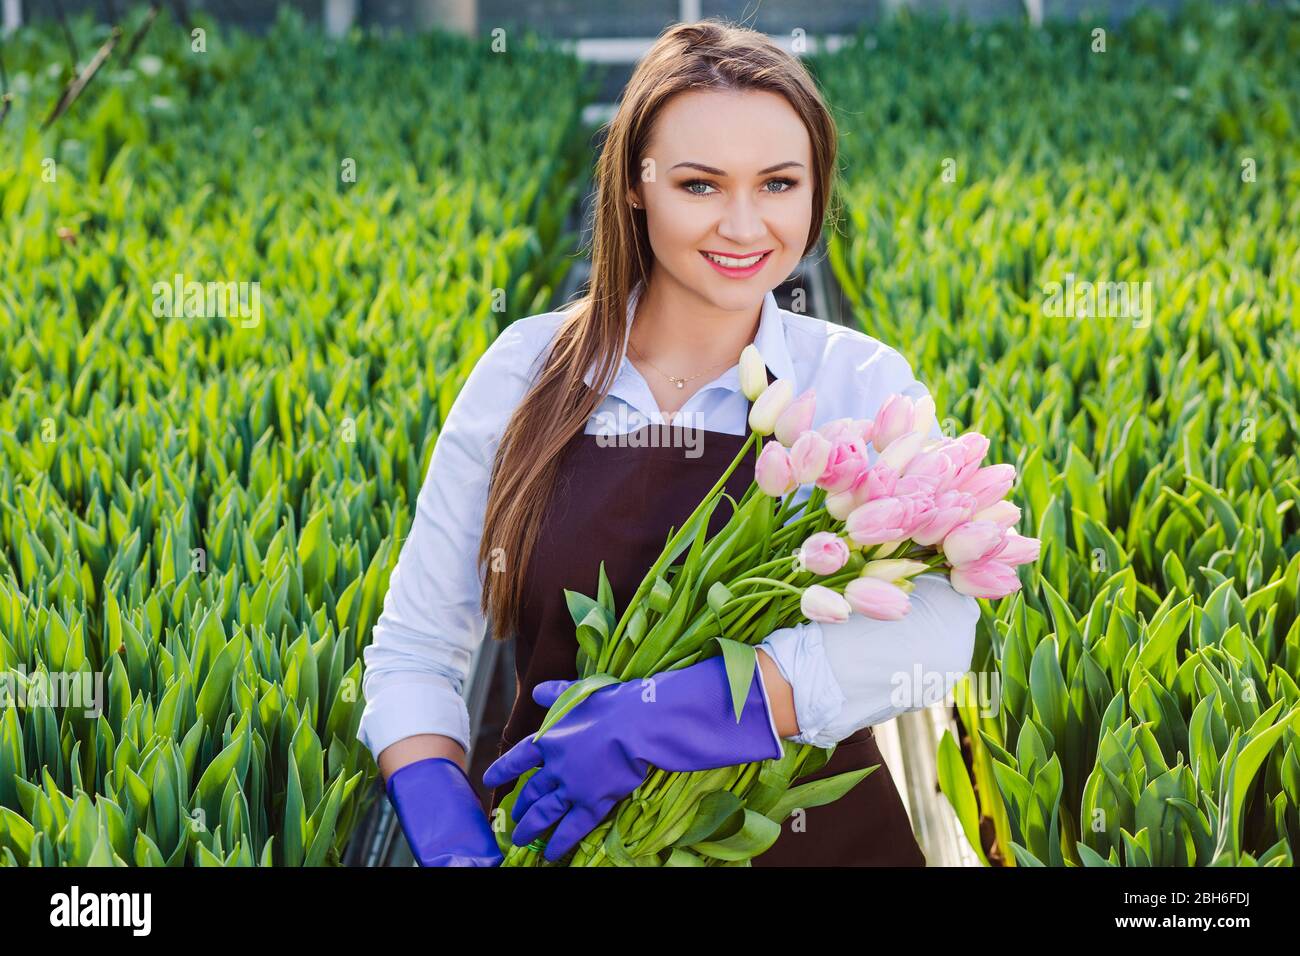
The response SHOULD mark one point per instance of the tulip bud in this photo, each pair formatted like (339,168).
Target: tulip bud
(902,450)
(773,471)
(989,484)
(985,579)
(819,603)
(923,414)
(877,599)
(845,463)
(892,420)
(753,372)
(823,553)
(796,419)
(840,431)
(892,569)
(809,456)
(971,541)
(1003,513)
(767,408)
(841,504)
(877,521)
(1017,549)
(866,428)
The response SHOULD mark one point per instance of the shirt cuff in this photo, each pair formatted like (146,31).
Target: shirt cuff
(402,708)
(802,661)
(771,718)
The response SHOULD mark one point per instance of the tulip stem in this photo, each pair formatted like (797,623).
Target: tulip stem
(676,539)
(762,580)
(782,511)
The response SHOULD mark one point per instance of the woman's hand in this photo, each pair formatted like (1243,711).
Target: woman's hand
(441,816)
(603,748)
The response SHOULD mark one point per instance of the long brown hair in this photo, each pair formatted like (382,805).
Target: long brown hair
(705,55)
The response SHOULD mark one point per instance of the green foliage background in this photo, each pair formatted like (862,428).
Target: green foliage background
(205,512)
(289,451)
(1148,709)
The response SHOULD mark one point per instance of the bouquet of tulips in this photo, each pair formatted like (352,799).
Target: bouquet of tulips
(851,545)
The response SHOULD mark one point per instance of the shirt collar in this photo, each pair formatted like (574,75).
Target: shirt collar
(769,340)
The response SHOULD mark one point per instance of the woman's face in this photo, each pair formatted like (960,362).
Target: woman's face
(729,174)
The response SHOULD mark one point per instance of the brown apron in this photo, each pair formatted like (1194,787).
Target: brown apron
(617,503)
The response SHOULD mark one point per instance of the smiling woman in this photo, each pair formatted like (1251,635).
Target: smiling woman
(713,183)
(746,218)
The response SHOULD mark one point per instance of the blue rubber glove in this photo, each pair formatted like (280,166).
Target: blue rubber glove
(603,748)
(441,815)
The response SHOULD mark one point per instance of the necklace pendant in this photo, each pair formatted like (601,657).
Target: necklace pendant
(681,383)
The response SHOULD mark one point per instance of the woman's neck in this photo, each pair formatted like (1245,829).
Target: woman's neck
(682,334)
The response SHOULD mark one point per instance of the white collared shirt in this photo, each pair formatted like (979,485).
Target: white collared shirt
(844,676)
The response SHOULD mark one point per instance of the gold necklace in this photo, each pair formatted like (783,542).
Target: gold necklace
(675,379)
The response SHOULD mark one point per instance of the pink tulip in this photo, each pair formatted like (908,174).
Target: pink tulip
(796,419)
(840,430)
(773,472)
(877,599)
(823,553)
(819,603)
(975,444)
(985,579)
(939,464)
(989,484)
(921,510)
(866,428)
(923,417)
(893,420)
(878,521)
(1003,513)
(877,481)
(1016,549)
(971,541)
(846,460)
(951,508)
(968,452)
(903,449)
(916,486)
(809,456)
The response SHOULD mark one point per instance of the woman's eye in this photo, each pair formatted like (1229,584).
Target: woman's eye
(784,183)
(694,182)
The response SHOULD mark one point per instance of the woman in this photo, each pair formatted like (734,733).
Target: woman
(585,434)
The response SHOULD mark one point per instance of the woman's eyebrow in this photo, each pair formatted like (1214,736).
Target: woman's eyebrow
(718,172)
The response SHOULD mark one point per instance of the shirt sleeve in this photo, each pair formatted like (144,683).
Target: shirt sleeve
(861,672)
(424,640)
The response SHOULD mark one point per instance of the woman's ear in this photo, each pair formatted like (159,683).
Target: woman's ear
(634,200)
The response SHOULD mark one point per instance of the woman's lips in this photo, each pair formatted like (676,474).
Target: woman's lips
(737,273)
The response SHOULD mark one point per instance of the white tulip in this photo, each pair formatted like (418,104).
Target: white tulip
(923,415)
(753,372)
(767,408)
